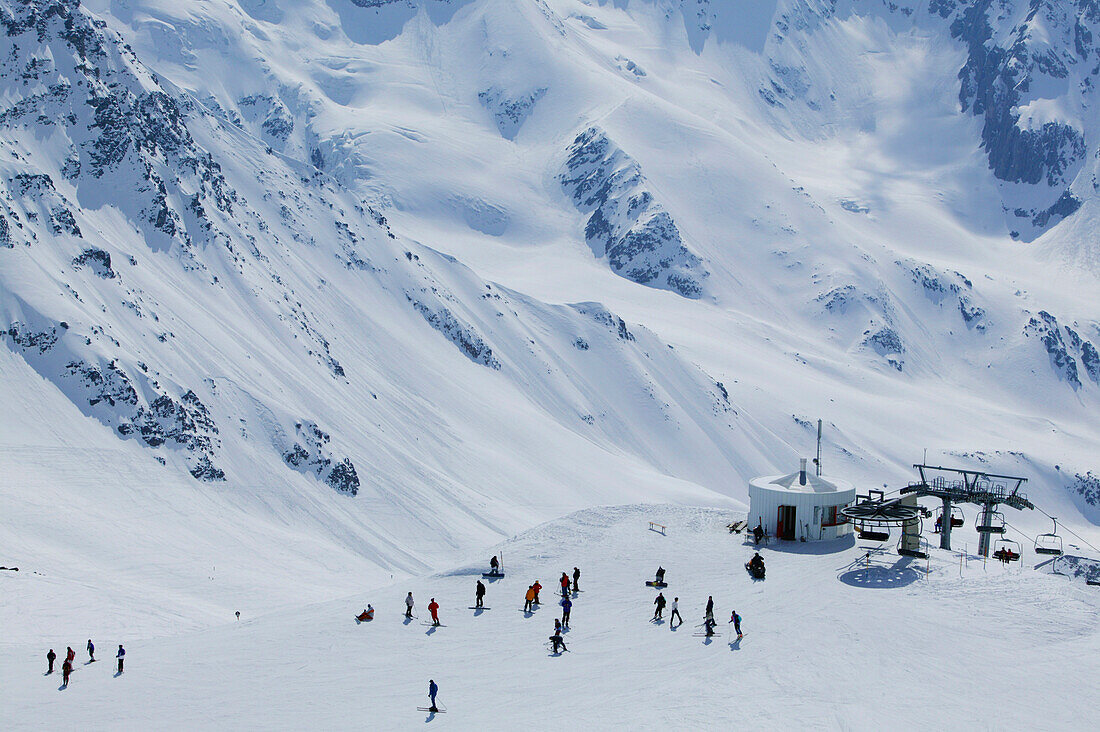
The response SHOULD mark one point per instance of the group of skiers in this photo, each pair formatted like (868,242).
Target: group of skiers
(708,624)
(70,656)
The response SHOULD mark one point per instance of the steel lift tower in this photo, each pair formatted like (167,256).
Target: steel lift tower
(971,486)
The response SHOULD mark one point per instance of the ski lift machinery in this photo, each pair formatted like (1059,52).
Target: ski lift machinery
(1049,543)
(995,525)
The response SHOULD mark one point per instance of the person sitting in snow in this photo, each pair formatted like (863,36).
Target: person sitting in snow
(758,534)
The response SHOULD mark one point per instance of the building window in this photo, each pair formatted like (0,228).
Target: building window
(831,516)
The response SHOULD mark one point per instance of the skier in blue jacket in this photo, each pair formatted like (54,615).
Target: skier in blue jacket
(566,606)
(433,689)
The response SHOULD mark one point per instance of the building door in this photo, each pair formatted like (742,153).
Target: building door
(785,524)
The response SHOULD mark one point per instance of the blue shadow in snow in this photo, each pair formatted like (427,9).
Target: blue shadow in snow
(879,577)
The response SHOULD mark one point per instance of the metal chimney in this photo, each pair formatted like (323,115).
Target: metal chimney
(802,472)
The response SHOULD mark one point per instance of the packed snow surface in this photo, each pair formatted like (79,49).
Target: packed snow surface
(831,640)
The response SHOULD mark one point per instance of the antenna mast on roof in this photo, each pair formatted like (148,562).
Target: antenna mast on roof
(817,460)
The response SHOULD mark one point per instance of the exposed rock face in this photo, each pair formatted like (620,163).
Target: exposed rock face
(509,112)
(1064,352)
(626,224)
(311,453)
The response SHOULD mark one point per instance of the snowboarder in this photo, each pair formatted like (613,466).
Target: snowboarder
(70,654)
(238,615)
(576,579)
(675,614)
(409,605)
(536,587)
(479,593)
(564,584)
(528,598)
(566,607)
(433,608)
(66,669)
(757,534)
(660,575)
(558,642)
(50,658)
(710,608)
(709,624)
(120,656)
(433,689)
(494,566)
(366,615)
(660,603)
(736,620)
(91,651)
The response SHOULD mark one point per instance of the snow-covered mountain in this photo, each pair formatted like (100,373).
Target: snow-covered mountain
(368,283)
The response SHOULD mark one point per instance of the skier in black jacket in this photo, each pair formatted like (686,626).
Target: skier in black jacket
(660,603)
(480,594)
(50,657)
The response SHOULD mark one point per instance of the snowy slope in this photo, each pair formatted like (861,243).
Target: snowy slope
(829,643)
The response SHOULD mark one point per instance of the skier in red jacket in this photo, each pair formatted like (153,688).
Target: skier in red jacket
(536,587)
(433,608)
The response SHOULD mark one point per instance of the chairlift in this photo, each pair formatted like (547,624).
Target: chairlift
(996,524)
(1007,550)
(1049,543)
(956,518)
(873,533)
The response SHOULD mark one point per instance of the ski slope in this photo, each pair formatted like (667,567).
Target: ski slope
(830,643)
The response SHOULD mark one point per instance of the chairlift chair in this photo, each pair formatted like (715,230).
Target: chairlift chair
(1008,550)
(873,533)
(996,524)
(1049,543)
(956,517)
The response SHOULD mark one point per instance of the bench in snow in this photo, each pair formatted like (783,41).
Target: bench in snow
(659,528)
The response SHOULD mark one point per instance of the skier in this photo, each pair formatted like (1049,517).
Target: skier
(238,615)
(576,579)
(433,608)
(536,587)
(433,689)
(50,658)
(709,624)
(675,614)
(66,669)
(736,620)
(557,626)
(91,651)
(409,605)
(564,584)
(528,598)
(566,608)
(660,575)
(494,566)
(70,654)
(480,594)
(557,642)
(660,603)
(758,534)
(710,608)
(120,656)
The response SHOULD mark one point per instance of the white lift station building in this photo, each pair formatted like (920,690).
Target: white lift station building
(800,506)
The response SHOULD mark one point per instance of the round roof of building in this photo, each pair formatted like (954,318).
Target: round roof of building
(791,483)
